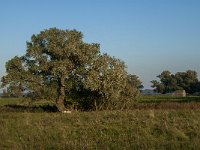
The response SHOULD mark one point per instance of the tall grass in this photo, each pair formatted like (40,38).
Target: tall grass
(129,129)
(146,129)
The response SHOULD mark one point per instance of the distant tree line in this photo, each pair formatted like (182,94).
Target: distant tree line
(58,65)
(169,82)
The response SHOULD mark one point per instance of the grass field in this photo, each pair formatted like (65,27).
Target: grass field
(156,122)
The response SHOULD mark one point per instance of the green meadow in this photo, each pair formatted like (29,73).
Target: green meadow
(155,122)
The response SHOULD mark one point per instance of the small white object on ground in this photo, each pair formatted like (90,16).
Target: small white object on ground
(67,112)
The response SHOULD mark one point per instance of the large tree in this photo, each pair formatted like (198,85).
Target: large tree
(58,63)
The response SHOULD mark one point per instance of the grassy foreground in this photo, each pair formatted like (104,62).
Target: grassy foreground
(129,129)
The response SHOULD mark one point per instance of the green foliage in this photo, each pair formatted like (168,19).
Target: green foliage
(14,78)
(169,82)
(58,65)
(196,88)
(134,81)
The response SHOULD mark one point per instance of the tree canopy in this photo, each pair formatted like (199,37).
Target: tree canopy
(169,82)
(58,65)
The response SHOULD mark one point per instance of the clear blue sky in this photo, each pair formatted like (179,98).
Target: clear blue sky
(149,35)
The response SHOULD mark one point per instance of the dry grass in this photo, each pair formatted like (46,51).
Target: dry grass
(129,129)
(137,129)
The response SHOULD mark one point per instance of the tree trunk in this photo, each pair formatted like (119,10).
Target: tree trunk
(61,98)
